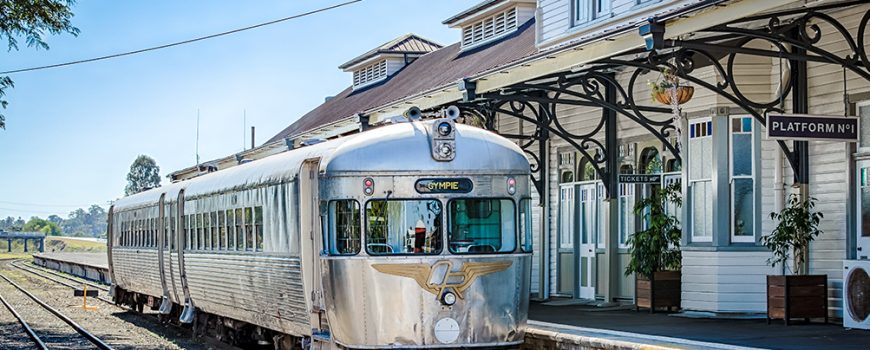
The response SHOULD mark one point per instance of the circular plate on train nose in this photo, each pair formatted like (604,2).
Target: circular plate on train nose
(446,330)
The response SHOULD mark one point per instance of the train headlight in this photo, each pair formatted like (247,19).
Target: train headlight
(448,298)
(511,185)
(445,150)
(368,186)
(444,129)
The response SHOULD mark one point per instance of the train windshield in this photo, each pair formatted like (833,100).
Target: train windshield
(482,226)
(403,227)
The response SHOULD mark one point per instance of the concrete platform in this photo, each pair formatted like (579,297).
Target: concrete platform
(91,266)
(660,329)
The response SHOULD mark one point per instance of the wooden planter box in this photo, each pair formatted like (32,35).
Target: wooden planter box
(791,297)
(663,291)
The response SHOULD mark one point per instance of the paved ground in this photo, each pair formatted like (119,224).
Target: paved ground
(750,333)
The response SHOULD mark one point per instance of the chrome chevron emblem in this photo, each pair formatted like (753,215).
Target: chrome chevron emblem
(435,279)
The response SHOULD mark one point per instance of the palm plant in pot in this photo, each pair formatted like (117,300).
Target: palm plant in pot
(797,295)
(655,252)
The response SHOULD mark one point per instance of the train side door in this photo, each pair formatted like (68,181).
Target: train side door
(166,304)
(311,240)
(187,312)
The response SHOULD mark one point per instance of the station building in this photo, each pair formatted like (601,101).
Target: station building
(571,81)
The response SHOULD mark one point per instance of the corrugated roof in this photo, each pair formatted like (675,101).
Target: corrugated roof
(408,43)
(440,68)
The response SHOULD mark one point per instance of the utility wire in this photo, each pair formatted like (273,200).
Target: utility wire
(128,53)
(45,205)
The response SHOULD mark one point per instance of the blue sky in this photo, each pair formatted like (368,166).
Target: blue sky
(72,132)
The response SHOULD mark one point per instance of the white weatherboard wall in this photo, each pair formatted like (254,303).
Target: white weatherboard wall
(725,281)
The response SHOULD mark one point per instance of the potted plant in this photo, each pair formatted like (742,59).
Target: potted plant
(669,87)
(797,295)
(655,252)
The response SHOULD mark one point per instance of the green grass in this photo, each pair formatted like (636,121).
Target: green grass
(64,244)
(15,255)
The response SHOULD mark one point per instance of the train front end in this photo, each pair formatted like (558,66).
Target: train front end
(428,238)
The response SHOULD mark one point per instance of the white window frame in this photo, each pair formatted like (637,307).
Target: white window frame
(626,191)
(752,176)
(586,11)
(490,28)
(566,234)
(692,182)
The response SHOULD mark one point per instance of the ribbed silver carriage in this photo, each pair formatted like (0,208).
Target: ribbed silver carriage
(412,235)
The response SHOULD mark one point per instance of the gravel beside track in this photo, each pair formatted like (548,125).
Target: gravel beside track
(119,327)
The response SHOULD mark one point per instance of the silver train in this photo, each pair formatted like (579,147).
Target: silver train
(412,235)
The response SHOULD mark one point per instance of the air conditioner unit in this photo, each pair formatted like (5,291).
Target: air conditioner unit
(856,294)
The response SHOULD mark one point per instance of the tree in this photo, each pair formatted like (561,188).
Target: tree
(30,19)
(144,175)
(36,224)
(55,219)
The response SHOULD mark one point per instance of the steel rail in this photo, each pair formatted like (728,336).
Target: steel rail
(55,280)
(92,338)
(30,333)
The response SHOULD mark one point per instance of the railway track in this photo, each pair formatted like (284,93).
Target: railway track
(34,334)
(76,283)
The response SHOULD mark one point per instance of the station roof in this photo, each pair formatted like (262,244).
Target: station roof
(438,68)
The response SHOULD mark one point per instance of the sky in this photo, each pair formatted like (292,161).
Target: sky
(73,132)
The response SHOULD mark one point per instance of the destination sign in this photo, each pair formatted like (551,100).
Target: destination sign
(812,127)
(640,178)
(460,185)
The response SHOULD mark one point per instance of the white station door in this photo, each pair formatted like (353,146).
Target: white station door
(863,206)
(587,202)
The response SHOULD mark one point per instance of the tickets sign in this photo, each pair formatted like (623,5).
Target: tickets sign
(812,127)
(459,185)
(640,178)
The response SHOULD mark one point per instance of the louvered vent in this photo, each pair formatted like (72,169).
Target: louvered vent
(490,27)
(370,73)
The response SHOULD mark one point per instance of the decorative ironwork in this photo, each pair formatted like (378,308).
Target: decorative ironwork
(794,37)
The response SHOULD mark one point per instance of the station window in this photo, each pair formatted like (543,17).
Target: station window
(481,226)
(526,230)
(344,227)
(403,227)
(586,11)
(700,179)
(626,213)
(742,179)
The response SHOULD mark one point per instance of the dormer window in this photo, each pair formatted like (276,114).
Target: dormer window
(489,28)
(370,74)
(378,64)
(491,20)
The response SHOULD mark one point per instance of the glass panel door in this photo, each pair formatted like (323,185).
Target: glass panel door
(566,259)
(863,205)
(588,213)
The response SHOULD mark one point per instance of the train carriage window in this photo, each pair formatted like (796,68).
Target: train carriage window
(403,227)
(172,229)
(479,226)
(249,233)
(526,224)
(186,226)
(258,228)
(344,227)
(231,230)
(199,238)
(207,228)
(222,227)
(215,240)
(240,229)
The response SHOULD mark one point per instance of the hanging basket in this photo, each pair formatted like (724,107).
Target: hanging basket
(684,94)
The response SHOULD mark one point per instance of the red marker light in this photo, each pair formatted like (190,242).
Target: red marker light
(368,186)
(511,185)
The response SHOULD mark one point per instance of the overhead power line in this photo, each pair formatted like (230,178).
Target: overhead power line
(46,205)
(128,53)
